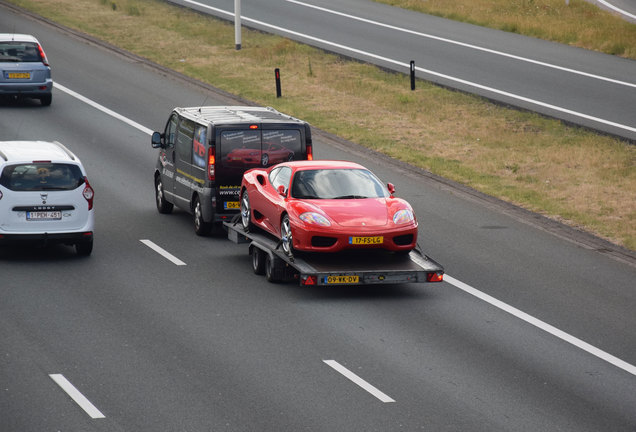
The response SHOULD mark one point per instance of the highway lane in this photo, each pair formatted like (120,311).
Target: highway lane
(210,346)
(578,86)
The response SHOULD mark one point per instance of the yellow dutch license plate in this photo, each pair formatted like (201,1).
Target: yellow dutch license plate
(232,205)
(366,240)
(19,75)
(342,279)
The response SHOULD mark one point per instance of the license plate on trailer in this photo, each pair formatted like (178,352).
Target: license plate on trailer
(366,240)
(231,205)
(342,279)
(44,215)
(18,75)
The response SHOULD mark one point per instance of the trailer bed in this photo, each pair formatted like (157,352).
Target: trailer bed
(359,267)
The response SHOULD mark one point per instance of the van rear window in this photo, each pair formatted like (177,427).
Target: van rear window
(260,148)
(41,177)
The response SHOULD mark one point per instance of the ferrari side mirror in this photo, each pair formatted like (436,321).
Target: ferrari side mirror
(281,191)
(391,188)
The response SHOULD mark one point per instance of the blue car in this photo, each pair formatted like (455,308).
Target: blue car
(24,68)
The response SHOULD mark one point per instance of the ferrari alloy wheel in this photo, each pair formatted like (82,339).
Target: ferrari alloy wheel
(246,221)
(162,205)
(265,159)
(286,237)
(201,227)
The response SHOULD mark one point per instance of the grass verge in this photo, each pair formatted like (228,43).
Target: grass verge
(573,175)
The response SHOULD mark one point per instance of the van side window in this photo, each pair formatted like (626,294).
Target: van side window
(185,137)
(171,129)
(198,146)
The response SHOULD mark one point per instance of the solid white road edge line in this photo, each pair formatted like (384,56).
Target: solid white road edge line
(465,287)
(79,398)
(163,252)
(466,45)
(359,381)
(427,71)
(542,325)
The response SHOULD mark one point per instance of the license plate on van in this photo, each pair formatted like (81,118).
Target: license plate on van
(44,215)
(231,205)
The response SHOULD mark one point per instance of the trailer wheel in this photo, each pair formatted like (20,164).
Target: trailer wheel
(258,261)
(272,269)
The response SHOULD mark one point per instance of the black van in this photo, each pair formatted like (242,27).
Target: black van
(204,152)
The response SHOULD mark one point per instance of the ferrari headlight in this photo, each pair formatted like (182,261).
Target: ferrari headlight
(403,216)
(314,219)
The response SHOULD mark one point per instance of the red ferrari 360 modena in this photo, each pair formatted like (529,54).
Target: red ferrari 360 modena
(326,206)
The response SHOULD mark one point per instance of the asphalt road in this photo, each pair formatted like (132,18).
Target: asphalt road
(581,87)
(209,346)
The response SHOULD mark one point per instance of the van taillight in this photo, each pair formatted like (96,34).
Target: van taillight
(211,162)
(88,193)
(310,153)
(43,56)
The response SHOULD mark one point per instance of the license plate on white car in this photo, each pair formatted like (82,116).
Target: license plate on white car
(44,215)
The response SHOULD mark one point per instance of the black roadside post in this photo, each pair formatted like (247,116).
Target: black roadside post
(277,75)
(412,74)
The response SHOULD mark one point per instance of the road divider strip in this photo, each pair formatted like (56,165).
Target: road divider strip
(542,325)
(163,252)
(359,381)
(78,397)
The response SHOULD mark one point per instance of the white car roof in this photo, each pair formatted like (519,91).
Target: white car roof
(5,37)
(27,151)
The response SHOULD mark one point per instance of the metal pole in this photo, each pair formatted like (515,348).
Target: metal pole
(277,77)
(237,24)
(412,74)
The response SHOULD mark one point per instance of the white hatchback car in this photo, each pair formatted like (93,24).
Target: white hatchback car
(45,196)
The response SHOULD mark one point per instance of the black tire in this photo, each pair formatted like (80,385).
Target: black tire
(286,237)
(84,248)
(46,99)
(246,212)
(163,206)
(272,270)
(201,227)
(258,261)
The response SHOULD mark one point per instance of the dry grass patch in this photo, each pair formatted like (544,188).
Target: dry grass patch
(566,173)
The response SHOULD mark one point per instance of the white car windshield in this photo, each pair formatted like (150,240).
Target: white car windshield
(337,184)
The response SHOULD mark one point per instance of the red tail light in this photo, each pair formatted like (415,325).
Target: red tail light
(434,276)
(211,163)
(88,193)
(43,56)
(310,152)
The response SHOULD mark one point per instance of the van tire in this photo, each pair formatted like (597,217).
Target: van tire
(163,206)
(201,227)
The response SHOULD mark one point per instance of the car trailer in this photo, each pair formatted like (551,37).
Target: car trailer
(359,267)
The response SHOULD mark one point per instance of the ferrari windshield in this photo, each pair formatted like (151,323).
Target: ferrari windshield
(336,184)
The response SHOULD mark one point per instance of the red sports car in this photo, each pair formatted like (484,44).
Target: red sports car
(326,206)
